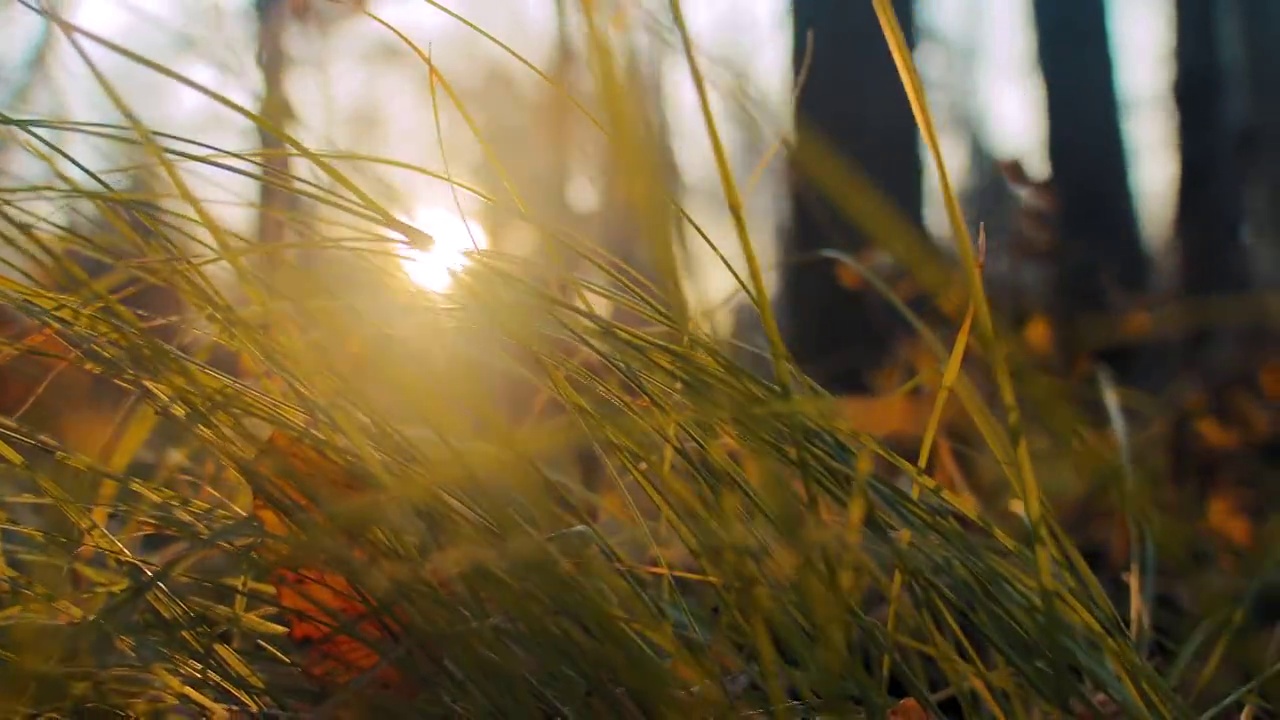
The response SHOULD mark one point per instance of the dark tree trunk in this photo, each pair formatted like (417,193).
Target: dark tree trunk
(1260,29)
(1212,251)
(1100,260)
(852,97)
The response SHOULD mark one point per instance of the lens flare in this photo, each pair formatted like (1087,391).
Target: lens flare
(434,269)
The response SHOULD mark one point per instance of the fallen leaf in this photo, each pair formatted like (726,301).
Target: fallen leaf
(849,278)
(1038,336)
(909,709)
(1269,379)
(1216,434)
(333,622)
(886,416)
(1227,518)
(1137,324)
(329,618)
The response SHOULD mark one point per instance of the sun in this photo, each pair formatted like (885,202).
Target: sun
(455,241)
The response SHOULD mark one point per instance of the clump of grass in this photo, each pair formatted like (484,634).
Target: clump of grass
(732,550)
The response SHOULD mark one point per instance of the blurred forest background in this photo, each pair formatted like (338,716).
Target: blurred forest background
(1121,156)
(989,68)
(978,60)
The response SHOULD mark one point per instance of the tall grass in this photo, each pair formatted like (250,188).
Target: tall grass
(732,547)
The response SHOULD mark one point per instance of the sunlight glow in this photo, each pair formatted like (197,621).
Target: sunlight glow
(455,240)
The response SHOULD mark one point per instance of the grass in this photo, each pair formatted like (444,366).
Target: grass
(544,506)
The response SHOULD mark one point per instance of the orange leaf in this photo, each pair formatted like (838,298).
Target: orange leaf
(322,609)
(1039,336)
(889,416)
(1269,379)
(909,709)
(332,619)
(1137,324)
(849,278)
(1217,435)
(285,457)
(30,354)
(1227,519)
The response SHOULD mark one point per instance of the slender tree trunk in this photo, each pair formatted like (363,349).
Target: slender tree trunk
(1260,30)
(275,199)
(853,98)
(1212,251)
(1100,259)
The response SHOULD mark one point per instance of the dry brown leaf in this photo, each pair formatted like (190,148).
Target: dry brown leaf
(316,601)
(1216,434)
(1136,324)
(1253,416)
(890,416)
(908,709)
(1038,335)
(1269,379)
(1227,518)
(849,278)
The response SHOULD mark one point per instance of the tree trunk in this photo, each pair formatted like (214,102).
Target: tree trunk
(1212,250)
(275,199)
(1100,260)
(853,98)
(1260,27)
